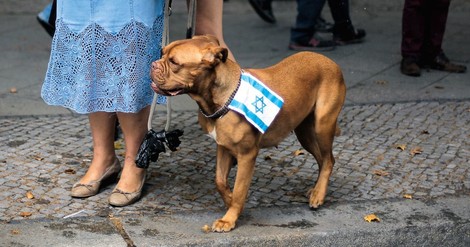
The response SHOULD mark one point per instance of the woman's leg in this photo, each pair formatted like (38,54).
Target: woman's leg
(134,128)
(102,130)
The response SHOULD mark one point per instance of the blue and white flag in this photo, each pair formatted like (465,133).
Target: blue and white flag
(256,102)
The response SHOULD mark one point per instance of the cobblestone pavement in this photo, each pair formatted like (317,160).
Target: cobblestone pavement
(45,155)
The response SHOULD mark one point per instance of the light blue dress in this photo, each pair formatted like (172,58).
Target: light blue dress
(101,55)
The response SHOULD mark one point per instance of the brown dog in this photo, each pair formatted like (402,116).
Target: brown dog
(313,90)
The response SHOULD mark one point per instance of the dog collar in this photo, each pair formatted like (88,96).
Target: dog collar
(224,109)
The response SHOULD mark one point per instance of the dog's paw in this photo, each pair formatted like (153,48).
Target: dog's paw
(315,203)
(316,198)
(222,226)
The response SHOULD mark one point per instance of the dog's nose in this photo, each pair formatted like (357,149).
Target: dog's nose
(154,65)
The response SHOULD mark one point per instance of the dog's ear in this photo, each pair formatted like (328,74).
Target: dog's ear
(215,55)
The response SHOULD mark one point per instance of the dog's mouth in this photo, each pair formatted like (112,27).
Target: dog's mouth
(174,92)
(167,92)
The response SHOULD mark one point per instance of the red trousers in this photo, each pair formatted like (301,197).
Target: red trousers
(423,27)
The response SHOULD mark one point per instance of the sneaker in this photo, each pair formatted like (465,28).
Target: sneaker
(314,44)
(441,62)
(409,66)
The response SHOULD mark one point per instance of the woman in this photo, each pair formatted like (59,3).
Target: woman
(99,65)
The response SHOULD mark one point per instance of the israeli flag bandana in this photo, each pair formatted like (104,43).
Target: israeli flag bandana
(256,102)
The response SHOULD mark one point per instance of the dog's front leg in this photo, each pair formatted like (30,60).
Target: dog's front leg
(224,164)
(243,179)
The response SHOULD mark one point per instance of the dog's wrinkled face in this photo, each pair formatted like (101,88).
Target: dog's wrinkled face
(184,63)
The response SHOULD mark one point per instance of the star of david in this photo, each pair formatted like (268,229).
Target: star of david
(259,104)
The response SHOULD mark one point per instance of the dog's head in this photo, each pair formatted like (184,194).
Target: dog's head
(187,64)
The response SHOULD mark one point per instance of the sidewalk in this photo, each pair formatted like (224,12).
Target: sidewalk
(46,149)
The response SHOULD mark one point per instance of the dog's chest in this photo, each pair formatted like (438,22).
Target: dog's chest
(212,134)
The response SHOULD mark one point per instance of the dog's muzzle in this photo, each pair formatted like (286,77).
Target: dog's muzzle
(158,71)
(158,74)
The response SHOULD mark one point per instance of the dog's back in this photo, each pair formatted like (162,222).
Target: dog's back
(303,68)
(306,79)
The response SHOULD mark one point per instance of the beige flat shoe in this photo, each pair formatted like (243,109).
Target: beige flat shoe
(92,188)
(121,198)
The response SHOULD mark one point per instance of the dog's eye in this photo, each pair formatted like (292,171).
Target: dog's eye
(172,61)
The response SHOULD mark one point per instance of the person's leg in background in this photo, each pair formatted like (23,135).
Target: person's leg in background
(435,24)
(264,9)
(423,27)
(413,23)
(323,26)
(435,20)
(302,35)
(343,30)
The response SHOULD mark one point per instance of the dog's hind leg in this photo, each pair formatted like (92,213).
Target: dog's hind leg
(316,134)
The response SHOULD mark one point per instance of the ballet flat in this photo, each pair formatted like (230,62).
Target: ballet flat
(121,198)
(92,188)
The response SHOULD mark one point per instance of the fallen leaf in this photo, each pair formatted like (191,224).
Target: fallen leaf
(267,157)
(416,150)
(70,171)
(29,195)
(15,231)
(118,144)
(13,90)
(38,158)
(206,229)
(381,173)
(381,82)
(407,196)
(401,146)
(298,152)
(371,217)
(25,214)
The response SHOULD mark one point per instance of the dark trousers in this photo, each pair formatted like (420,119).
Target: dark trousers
(308,12)
(423,27)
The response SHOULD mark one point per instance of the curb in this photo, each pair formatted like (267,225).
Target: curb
(443,221)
